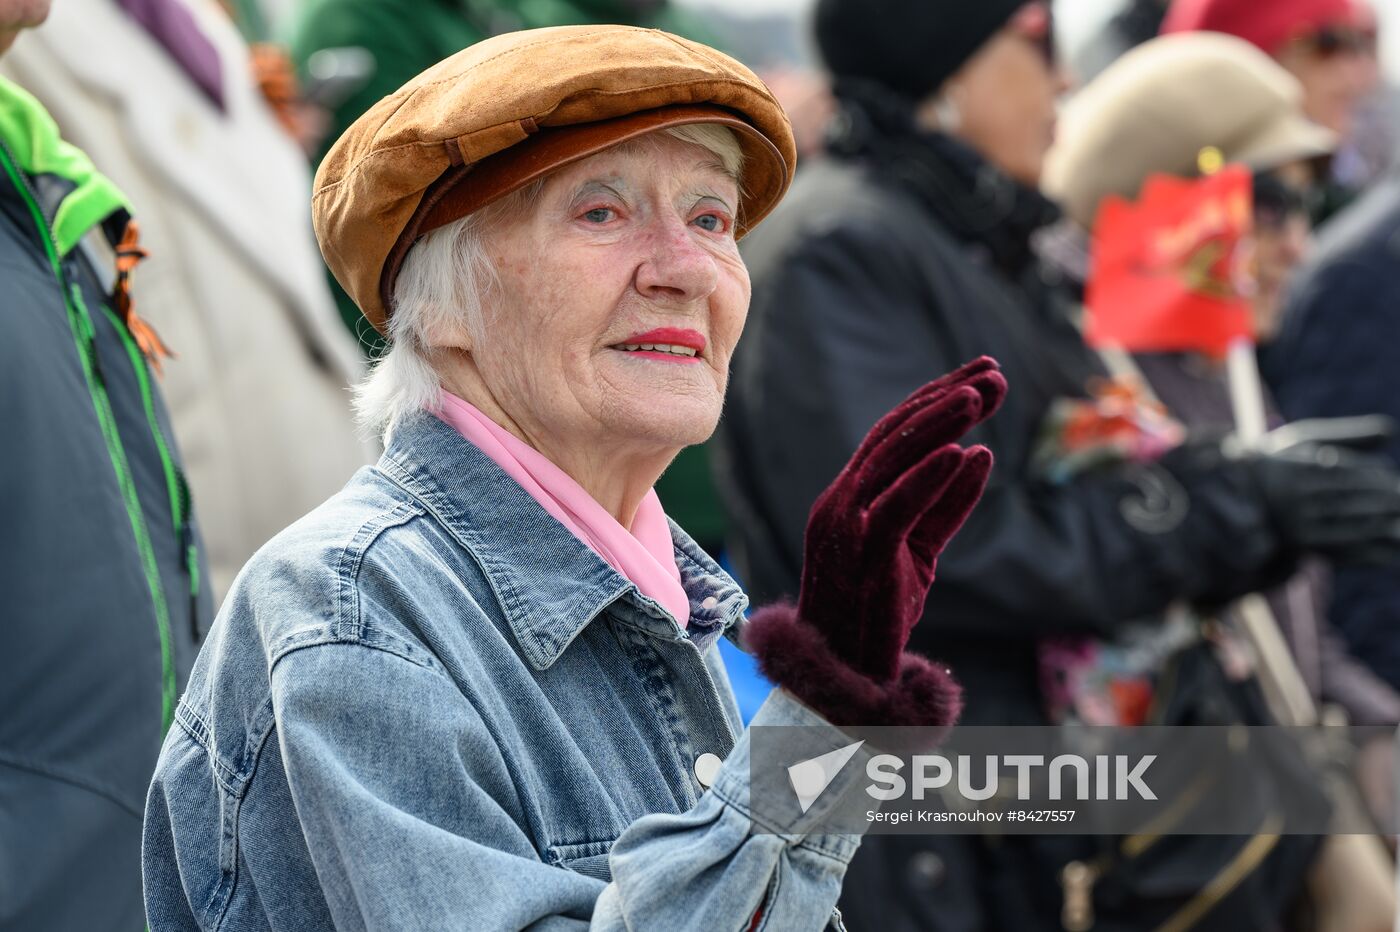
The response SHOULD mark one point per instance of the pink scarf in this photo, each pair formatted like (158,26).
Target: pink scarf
(644,555)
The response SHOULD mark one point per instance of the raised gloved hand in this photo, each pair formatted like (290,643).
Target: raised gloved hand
(873,539)
(1332,501)
(1319,490)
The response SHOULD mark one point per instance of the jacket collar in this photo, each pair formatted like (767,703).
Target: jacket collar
(549,584)
(1064,251)
(971,198)
(76,197)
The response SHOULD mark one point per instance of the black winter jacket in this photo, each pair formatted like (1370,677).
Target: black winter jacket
(864,291)
(886,266)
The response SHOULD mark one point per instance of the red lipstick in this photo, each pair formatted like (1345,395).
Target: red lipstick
(665,336)
(673,336)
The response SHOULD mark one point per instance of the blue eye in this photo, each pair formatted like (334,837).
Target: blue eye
(712,223)
(598,215)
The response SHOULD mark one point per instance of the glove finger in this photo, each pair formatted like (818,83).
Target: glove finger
(1376,529)
(945,517)
(934,426)
(896,420)
(1345,503)
(1387,554)
(1324,509)
(895,511)
(981,375)
(984,373)
(1352,478)
(927,506)
(1354,473)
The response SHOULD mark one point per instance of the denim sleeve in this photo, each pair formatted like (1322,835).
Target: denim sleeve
(406,836)
(714,866)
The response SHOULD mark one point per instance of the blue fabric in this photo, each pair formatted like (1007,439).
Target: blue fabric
(751,687)
(1339,355)
(427,705)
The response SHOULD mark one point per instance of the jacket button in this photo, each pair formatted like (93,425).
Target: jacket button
(707,769)
(709,603)
(926,870)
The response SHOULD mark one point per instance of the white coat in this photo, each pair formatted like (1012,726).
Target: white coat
(234,285)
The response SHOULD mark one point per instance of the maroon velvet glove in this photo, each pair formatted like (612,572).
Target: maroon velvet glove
(872,540)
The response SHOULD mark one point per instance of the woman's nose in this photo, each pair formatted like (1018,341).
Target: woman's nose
(675,265)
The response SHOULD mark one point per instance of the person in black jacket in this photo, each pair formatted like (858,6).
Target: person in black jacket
(101,568)
(1338,355)
(906,253)
(1117,114)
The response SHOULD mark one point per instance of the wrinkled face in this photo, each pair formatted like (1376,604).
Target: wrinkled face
(621,298)
(1006,95)
(20,14)
(1282,233)
(1338,67)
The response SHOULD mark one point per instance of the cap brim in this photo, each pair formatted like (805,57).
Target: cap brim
(465,189)
(1291,139)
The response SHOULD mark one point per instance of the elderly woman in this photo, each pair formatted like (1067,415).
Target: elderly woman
(478,688)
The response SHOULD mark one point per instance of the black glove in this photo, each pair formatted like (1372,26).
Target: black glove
(1329,500)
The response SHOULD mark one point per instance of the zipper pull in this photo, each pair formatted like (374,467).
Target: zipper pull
(1077,879)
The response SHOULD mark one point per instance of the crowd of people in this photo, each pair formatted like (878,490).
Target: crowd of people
(376,588)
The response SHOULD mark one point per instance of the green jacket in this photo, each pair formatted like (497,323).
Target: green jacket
(99,560)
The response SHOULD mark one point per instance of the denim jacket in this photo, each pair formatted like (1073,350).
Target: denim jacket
(427,705)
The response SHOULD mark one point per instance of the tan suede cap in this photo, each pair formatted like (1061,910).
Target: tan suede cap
(508,110)
(1154,110)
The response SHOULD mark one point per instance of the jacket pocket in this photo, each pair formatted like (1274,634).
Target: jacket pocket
(589,858)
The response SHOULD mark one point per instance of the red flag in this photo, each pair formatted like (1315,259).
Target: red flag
(1173,271)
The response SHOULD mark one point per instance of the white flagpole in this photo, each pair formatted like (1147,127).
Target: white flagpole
(1246,393)
(1279,673)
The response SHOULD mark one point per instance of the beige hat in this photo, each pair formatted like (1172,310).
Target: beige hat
(505,111)
(1154,110)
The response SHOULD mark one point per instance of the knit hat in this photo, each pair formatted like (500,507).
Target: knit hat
(1268,24)
(506,111)
(1154,110)
(908,46)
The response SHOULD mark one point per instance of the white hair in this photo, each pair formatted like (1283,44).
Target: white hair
(446,283)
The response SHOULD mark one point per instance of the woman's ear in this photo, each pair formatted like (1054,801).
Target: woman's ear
(447,332)
(942,110)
